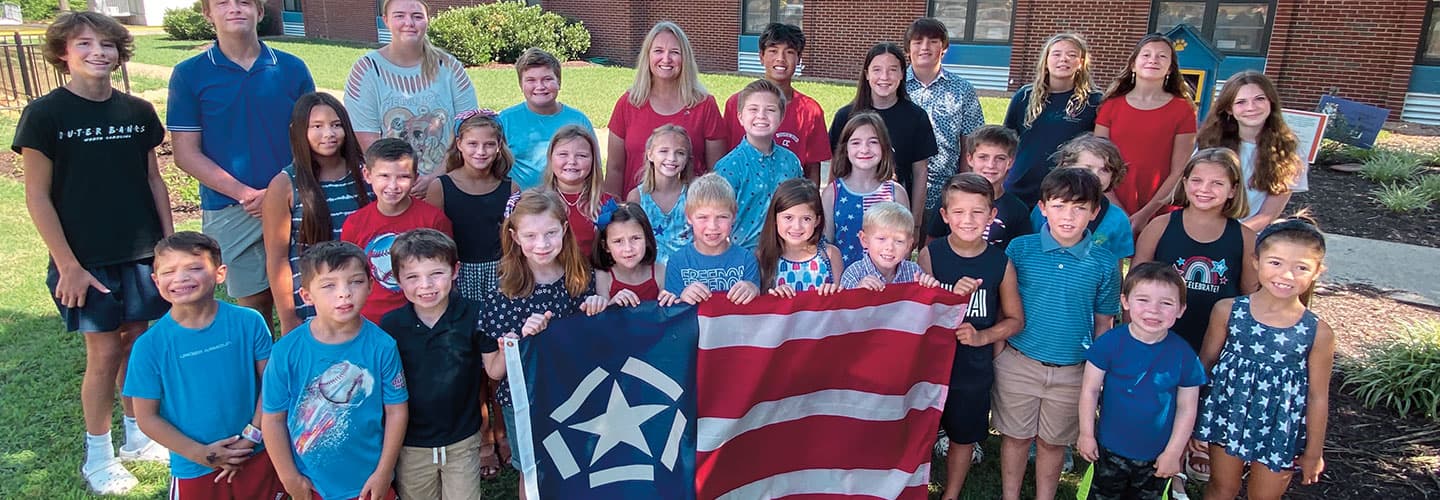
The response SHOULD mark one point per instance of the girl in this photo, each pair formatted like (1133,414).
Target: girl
(311,198)
(1059,105)
(473,193)
(1111,226)
(1270,358)
(573,152)
(861,174)
(661,193)
(409,89)
(625,250)
(793,256)
(1246,118)
(543,276)
(1149,114)
(882,89)
(667,90)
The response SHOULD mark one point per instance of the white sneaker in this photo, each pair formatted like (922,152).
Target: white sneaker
(151,451)
(108,478)
(977,455)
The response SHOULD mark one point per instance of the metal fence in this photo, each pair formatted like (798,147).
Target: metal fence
(25,75)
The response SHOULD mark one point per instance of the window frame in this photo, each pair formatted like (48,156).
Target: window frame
(774,15)
(971,12)
(285,6)
(1212,9)
(1432,15)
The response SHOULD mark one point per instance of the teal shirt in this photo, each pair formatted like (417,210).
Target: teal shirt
(755,176)
(1062,289)
(528,135)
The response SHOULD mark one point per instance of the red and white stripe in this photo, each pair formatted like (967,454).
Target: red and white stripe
(817,397)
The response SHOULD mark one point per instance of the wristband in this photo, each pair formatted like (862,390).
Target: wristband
(251,434)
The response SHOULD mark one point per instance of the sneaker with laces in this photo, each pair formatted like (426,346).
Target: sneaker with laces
(151,451)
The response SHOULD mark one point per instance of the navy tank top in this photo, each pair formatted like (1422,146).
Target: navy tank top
(1211,271)
(476,220)
(973,365)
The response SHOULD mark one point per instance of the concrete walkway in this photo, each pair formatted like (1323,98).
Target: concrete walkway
(1410,273)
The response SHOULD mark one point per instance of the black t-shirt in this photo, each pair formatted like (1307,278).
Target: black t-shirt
(443,370)
(1012,220)
(911,136)
(1040,140)
(100,171)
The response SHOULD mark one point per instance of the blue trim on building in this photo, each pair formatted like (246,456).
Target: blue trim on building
(1234,64)
(1425,79)
(749,43)
(978,55)
(291,16)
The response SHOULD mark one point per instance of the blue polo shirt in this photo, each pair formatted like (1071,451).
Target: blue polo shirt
(755,175)
(243,117)
(1062,289)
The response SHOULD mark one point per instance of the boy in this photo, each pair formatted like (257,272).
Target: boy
(802,130)
(757,166)
(990,151)
(444,355)
(391,173)
(1111,227)
(1146,383)
(887,233)
(710,263)
(229,117)
(195,378)
(530,124)
(334,394)
(94,191)
(949,100)
(1070,290)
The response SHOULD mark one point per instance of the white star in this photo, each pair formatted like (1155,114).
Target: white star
(1277,356)
(1234,329)
(1257,330)
(619,424)
(1302,329)
(1239,313)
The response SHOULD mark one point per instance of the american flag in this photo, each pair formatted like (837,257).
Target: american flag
(823,396)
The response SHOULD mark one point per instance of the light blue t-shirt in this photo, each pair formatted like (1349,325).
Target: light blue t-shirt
(204,379)
(719,272)
(1142,387)
(528,133)
(1112,231)
(755,175)
(334,396)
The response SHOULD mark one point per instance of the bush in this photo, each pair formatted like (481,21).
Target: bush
(1403,375)
(187,23)
(501,31)
(1387,166)
(1335,152)
(38,10)
(1401,199)
(1430,185)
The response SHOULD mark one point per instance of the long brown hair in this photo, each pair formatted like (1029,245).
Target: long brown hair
(314,211)
(1238,206)
(504,159)
(1175,83)
(591,193)
(1276,161)
(789,194)
(840,166)
(864,101)
(1040,89)
(516,278)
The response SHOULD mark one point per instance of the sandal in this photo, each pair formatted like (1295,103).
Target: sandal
(489,462)
(109,478)
(1197,465)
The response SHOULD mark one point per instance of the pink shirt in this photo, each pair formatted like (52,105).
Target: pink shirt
(802,130)
(634,124)
(1146,139)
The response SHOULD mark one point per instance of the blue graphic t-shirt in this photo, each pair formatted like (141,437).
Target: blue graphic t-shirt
(334,396)
(719,272)
(204,379)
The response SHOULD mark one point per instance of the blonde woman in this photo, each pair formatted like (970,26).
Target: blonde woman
(1058,106)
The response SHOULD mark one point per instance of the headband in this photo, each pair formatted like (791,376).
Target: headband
(468,114)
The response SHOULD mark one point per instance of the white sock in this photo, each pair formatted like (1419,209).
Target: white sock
(134,437)
(98,449)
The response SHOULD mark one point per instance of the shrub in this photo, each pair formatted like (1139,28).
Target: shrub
(1430,185)
(1401,199)
(1335,152)
(1403,375)
(1388,166)
(187,23)
(501,31)
(38,10)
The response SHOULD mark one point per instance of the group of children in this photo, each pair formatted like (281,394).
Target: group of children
(391,303)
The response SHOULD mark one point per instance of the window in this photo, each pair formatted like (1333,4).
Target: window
(758,13)
(974,20)
(1240,27)
(292,6)
(1430,39)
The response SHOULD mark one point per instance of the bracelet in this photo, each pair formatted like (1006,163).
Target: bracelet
(251,434)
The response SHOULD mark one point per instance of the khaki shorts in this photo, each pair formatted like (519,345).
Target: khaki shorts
(242,249)
(1031,399)
(448,473)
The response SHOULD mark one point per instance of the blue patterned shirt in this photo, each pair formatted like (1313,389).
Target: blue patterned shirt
(1062,289)
(955,111)
(755,175)
(906,272)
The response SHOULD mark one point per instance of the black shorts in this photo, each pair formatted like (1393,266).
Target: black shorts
(966,418)
(1117,478)
(133,297)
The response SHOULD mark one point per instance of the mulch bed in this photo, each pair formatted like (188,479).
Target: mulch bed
(1340,203)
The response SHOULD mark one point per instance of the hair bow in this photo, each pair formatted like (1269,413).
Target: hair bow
(471,113)
(607,212)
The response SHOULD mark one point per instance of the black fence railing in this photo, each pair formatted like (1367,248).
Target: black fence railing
(24,73)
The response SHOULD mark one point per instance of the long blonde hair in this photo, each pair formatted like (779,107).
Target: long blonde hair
(1238,205)
(431,56)
(651,176)
(589,194)
(1040,90)
(691,90)
(516,278)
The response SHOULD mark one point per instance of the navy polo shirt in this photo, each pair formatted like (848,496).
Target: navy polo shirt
(1062,289)
(243,117)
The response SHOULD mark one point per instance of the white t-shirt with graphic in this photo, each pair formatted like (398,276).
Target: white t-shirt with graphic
(396,101)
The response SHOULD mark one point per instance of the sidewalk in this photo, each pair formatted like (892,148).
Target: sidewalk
(1410,272)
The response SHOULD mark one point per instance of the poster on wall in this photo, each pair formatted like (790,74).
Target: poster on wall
(1351,122)
(1309,128)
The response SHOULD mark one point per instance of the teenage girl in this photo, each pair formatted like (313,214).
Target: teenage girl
(1060,104)
(1246,118)
(862,174)
(310,198)
(1149,114)
(1270,358)
(473,192)
(661,193)
(793,256)
(625,252)
(572,156)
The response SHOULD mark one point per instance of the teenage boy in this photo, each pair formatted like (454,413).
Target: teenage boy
(530,125)
(757,166)
(888,234)
(949,99)
(373,228)
(1070,292)
(802,130)
(990,152)
(446,360)
(94,191)
(710,263)
(1146,383)
(334,392)
(195,378)
(229,117)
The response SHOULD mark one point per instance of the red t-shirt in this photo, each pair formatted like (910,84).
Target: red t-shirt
(374,232)
(582,226)
(802,130)
(633,125)
(1146,139)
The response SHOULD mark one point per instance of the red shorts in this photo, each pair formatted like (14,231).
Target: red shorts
(256,480)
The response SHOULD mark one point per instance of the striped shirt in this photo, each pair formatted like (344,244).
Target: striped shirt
(340,198)
(1062,289)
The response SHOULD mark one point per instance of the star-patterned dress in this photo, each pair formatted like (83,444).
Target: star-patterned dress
(672,232)
(1256,407)
(850,210)
(500,314)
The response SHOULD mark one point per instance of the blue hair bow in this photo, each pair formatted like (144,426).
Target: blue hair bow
(607,212)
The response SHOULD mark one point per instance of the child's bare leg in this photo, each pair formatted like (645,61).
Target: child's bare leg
(956,468)
(1048,460)
(128,333)
(1014,453)
(1266,484)
(1225,472)
(104,355)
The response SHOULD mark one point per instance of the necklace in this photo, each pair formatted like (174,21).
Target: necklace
(565,197)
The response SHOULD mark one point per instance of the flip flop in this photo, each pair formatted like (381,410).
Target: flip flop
(489,462)
(110,478)
(1197,465)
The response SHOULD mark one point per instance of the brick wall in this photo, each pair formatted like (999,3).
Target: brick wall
(839,33)
(1110,27)
(1365,48)
(350,20)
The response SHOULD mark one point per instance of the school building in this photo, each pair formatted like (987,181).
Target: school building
(1380,52)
